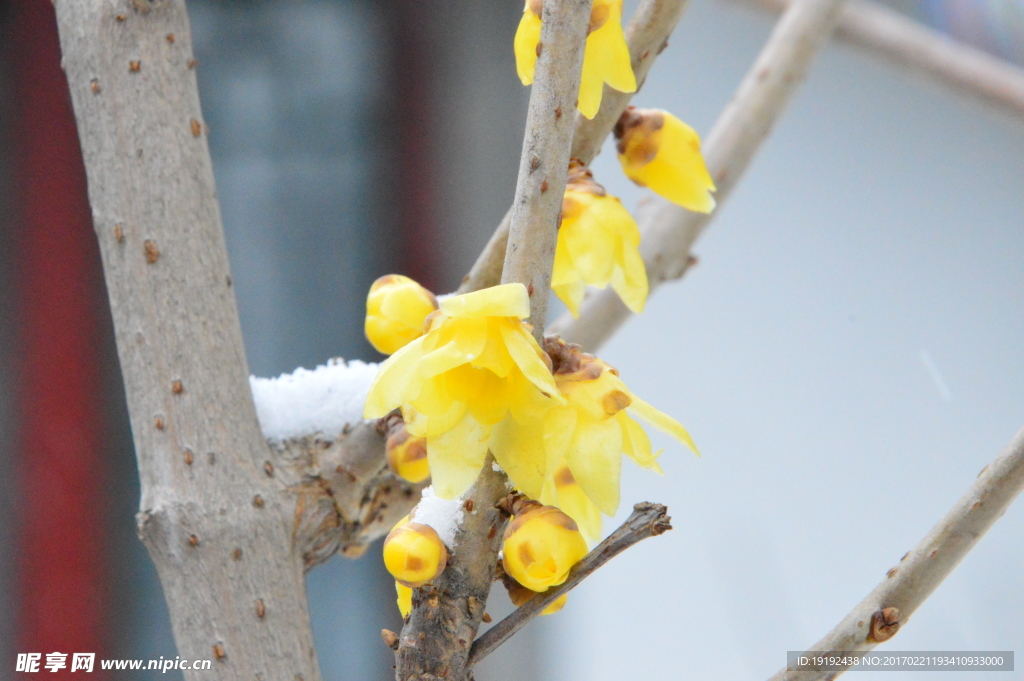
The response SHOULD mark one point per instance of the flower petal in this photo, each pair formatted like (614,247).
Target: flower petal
(636,444)
(519,450)
(506,300)
(445,358)
(524,351)
(629,279)
(559,426)
(525,45)
(612,53)
(456,457)
(389,387)
(595,459)
(662,422)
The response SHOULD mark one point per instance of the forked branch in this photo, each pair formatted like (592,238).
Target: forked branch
(647,520)
(669,230)
(906,586)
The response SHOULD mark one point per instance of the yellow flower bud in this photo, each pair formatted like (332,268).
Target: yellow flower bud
(519,595)
(407,455)
(414,554)
(404,599)
(396,308)
(659,151)
(541,546)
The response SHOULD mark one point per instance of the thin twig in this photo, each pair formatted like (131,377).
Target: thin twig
(543,166)
(646,34)
(965,69)
(920,571)
(669,230)
(647,520)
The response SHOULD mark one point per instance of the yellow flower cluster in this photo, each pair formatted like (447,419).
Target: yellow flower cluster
(605,56)
(557,420)
(573,459)
(476,368)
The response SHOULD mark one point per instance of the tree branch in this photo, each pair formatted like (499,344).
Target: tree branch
(233,580)
(906,586)
(965,69)
(435,640)
(669,230)
(647,520)
(647,35)
(348,495)
(537,207)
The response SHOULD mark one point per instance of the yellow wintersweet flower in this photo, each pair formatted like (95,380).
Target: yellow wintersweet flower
(598,244)
(605,57)
(414,554)
(541,546)
(404,599)
(591,432)
(659,151)
(396,308)
(476,367)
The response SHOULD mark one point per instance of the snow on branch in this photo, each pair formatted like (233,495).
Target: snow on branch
(326,400)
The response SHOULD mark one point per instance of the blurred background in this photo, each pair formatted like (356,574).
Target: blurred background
(847,354)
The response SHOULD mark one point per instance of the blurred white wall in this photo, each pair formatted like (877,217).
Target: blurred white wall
(848,355)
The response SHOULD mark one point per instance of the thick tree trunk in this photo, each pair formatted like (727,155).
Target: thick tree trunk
(218,522)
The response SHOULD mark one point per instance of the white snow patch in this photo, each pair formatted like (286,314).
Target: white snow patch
(306,402)
(444,515)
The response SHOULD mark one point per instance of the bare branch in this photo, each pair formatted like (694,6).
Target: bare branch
(906,586)
(543,166)
(647,34)
(965,69)
(647,520)
(445,616)
(231,575)
(669,230)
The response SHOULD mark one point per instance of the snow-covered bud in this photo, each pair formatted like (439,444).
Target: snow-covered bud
(396,308)
(414,554)
(541,546)
(407,455)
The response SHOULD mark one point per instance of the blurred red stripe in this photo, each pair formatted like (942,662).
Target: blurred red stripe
(61,552)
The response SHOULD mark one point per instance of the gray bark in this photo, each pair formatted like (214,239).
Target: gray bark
(217,521)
